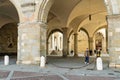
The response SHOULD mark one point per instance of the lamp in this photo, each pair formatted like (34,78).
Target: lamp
(89,17)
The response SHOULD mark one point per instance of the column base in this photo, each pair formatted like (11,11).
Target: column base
(75,55)
(64,55)
(114,65)
(28,62)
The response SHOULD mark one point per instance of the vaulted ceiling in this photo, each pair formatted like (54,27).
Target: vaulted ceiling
(8,13)
(65,13)
(75,14)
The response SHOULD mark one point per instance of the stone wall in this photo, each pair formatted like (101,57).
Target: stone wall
(82,41)
(8,39)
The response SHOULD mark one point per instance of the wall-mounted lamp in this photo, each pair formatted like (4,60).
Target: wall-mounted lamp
(90,17)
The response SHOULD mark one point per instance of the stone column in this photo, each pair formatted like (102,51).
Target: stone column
(53,42)
(65,42)
(28,43)
(107,40)
(47,47)
(68,47)
(91,43)
(114,40)
(31,42)
(43,38)
(76,44)
(58,42)
(104,45)
(61,42)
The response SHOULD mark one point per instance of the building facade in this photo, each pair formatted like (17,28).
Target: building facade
(34,28)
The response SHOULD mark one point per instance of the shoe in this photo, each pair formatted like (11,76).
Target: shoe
(87,63)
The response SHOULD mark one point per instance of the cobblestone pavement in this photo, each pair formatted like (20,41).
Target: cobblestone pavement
(18,75)
(58,69)
(4,74)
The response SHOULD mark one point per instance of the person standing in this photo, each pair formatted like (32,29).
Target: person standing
(87,56)
(98,53)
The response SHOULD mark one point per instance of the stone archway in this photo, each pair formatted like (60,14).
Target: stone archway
(9,18)
(83,41)
(100,40)
(55,43)
(32,31)
(39,23)
(17,7)
(113,11)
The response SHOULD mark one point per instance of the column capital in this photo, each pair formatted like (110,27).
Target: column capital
(75,33)
(64,28)
(32,22)
(91,39)
(114,16)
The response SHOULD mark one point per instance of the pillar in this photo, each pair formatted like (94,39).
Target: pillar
(75,44)
(47,47)
(58,42)
(31,42)
(106,40)
(65,42)
(53,42)
(114,40)
(43,38)
(91,43)
(69,48)
(28,43)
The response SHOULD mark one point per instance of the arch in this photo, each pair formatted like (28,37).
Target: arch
(5,18)
(83,40)
(16,4)
(70,34)
(43,10)
(104,26)
(98,40)
(84,31)
(103,40)
(55,43)
(52,31)
(77,21)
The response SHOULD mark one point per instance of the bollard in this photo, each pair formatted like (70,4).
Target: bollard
(6,60)
(42,61)
(99,63)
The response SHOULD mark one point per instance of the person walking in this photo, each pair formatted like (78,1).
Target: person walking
(87,56)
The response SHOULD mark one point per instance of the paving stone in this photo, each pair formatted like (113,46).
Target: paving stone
(75,77)
(25,74)
(51,72)
(4,74)
(48,77)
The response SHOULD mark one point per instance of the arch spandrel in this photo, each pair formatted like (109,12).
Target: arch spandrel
(42,10)
(18,8)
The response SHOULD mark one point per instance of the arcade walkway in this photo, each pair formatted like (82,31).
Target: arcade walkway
(58,68)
